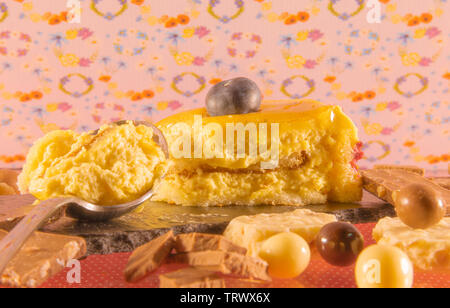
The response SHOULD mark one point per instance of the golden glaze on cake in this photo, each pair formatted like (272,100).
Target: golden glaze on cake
(316,150)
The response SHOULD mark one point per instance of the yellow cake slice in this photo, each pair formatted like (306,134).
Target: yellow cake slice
(428,249)
(251,231)
(115,165)
(295,153)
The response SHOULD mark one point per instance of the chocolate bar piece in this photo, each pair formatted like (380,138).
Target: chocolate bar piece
(191,278)
(442,181)
(148,257)
(42,256)
(383,182)
(409,168)
(225,262)
(191,242)
(13,208)
(8,182)
(5,190)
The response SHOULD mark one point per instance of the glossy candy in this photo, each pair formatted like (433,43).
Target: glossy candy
(339,243)
(287,254)
(235,96)
(382,266)
(419,205)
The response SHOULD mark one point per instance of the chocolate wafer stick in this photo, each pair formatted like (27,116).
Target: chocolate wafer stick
(191,278)
(148,257)
(191,242)
(225,262)
(414,169)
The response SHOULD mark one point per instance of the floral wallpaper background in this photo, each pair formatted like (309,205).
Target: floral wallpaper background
(147,59)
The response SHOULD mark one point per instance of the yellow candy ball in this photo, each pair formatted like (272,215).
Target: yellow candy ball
(287,254)
(382,266)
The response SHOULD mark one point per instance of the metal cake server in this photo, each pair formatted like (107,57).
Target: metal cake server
(74,207)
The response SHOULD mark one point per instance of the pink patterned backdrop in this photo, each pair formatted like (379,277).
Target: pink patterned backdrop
(148,59)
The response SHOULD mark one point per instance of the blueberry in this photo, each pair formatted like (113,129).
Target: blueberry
(235,96)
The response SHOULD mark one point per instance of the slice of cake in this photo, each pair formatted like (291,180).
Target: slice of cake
(428,249)
(288,153)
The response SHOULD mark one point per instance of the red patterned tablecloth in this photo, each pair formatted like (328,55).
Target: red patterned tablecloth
(107,272)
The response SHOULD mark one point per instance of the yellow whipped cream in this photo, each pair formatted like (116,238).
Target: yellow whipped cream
(115,165)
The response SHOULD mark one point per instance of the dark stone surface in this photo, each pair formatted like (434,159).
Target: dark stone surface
(125,241)
(134,229)
(365,215)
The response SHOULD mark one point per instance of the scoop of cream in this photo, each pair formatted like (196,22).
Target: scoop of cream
(117,165)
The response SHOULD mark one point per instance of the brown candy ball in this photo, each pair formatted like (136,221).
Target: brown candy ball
(339,243)
(419,206)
